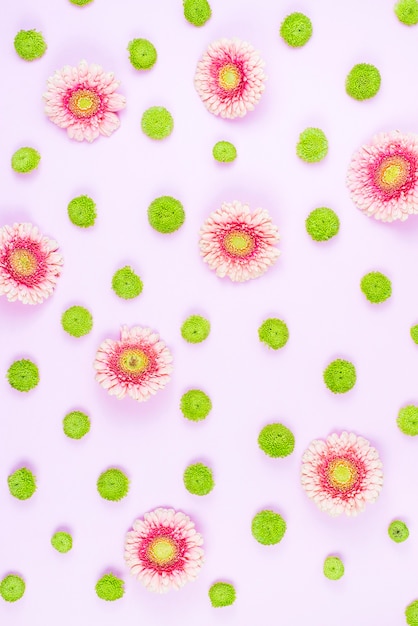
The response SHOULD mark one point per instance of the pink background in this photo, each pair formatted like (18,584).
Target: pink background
(313,287)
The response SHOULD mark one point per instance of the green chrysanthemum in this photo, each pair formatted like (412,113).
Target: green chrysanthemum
(195,329)
(398,531)
(25,160)
(296,30)
(407,420)
(268,527)
(142,54)
(82,211)
(363,81)
(77,321)
(62,542)
(224,152)
(126,284)
(414,333)
(113,485)
(274,333)
(222,594)
(110,587)
(333,568)
(22,484)
(166,214)
(276,440)
(12,588)
(30,45)
(340,376)
(81,3)
(407,12)
(322,224)
(312,146)
(76,424)
(23,375)
(198,479)
(197,12)
(376,287)
(195,405)
(157,123)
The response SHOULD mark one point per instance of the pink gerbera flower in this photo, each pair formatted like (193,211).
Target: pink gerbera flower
(30,264)
(137,365)
(383,177)
(229,78)
(342,473)
(83,100)
(237,243)
(163,550)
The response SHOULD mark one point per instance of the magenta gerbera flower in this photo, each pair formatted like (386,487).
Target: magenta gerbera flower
(30,264)
(163,550)
(342,473)
(83,100)
(237,243)
(229,78)
(383,177)
(137,365)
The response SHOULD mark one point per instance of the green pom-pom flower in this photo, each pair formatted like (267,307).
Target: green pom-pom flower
(411,613)
(77,321)
(274,333)
(333,568)
(414,333)
(195,405)
(322,224)
(142,54)
(82,211)
(363,81)
(376,287)
(113,485)
(340,376)
(76,424)
(12,588)
(268,527)
(224,152)
(407,12)
(110,587)
(126,284)
(312,146)
(407,420)
(398,531)
(23,375)
(195,329)
(25,160)
(222,594)
(22,484)
(81,3)
(157,123)
(166,214)
(276,440)
(30,45)
(62,542)
(296,30)
(198,479)
(197,12)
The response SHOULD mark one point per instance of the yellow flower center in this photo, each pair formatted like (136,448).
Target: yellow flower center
(23,262)
(84,103)
(162,551)
(133,361)
(392,173)
(342,474)
(229,77)
(239,243)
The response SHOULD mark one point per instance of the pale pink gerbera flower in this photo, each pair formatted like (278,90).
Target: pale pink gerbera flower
(83,100)
(163,550)
(237,243)
(229,78)
(383,177)
(137,365)
(342,473)
(30,264)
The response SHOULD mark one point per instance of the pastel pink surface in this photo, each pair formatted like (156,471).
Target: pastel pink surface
(313,287)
